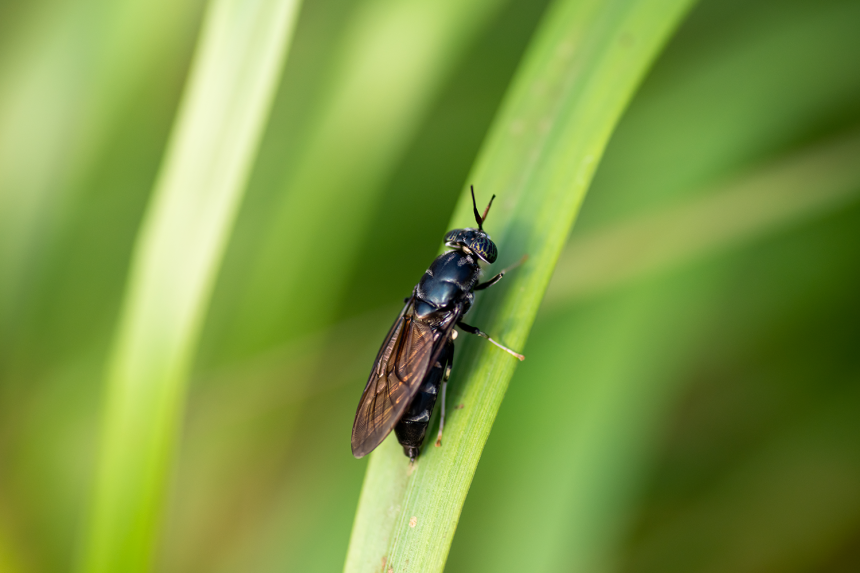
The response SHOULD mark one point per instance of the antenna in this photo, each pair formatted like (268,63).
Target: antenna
(480,220)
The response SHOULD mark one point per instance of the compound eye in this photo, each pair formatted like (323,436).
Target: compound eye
(453,237)
(484,248)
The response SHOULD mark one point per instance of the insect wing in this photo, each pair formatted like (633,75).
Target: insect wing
(401,366)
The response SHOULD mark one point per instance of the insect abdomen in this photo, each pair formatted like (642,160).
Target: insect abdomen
(412,427)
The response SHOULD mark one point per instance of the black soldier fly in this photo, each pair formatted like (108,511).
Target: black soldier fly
(418,352)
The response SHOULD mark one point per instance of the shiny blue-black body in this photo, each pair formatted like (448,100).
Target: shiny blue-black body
(447,286)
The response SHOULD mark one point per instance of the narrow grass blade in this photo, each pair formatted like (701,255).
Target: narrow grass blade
(239,57)
(790,190)
(583,67)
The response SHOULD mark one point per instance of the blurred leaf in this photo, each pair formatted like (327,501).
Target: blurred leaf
(793,189)
(581,70)
(241,50)
(741,84)
(786,505)
(67,71)
(87,91)
(392,61)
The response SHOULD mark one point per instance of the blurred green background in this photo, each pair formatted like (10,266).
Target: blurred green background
(690,397)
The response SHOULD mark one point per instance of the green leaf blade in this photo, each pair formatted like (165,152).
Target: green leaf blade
(242,47)
(586,62)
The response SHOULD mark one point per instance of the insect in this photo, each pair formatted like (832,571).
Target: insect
(416,357)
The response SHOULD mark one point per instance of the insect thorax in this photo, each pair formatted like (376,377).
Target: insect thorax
(449,278)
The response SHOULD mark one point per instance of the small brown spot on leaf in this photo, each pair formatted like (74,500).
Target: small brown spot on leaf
(459,406)
(413,522)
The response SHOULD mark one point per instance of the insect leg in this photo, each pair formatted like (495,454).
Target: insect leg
(472,330)
(490,282)
(442,417)
(499,276)
(450,352)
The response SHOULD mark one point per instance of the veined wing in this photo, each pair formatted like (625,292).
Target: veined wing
(400,367)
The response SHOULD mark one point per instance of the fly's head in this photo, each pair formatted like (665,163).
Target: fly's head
(475,241)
